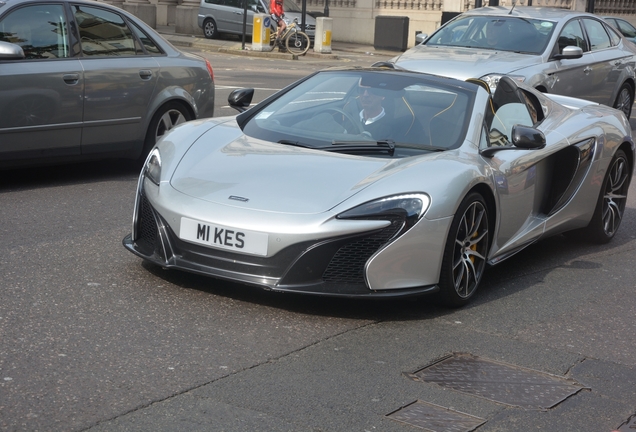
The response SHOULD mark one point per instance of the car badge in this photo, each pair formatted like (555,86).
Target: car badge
(238,198)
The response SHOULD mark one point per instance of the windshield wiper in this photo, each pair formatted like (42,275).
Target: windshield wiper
(364,146)
(295,144)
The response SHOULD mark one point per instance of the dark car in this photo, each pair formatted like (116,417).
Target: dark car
(85,80)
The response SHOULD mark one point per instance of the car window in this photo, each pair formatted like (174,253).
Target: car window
(614,35)
(253,5)
(146,41)
(599,39)
(511,106)
(626,28)
(40,30)
(104,33)
(572,35)
(360,106)
(499,33)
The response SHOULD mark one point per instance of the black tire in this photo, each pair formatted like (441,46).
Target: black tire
(297,43)
(210,30)
(465,252)
(611,202)
(625,100)
(167,117)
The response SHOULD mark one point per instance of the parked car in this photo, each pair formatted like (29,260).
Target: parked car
(553,50)
(84,80)
(625,27)
(226,16)
(299,194)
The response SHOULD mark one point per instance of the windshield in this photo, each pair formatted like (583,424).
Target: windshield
(504,33)
(377,111)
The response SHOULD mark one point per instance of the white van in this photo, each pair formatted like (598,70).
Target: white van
(226,16)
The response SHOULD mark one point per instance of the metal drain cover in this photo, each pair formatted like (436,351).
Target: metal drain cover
(629,425)
(499,382)
(436,418)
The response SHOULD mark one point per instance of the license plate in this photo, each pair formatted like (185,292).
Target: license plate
(223,237)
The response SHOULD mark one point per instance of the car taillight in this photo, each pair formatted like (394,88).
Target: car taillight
(210,71)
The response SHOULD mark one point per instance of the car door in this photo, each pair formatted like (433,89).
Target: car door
(519,174)
(119,81)
(610,61)
(572,76)
(40,96)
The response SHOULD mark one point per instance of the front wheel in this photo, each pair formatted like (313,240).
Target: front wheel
(298,43)
(209,29)
(465,252)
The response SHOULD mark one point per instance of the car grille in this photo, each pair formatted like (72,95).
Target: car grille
(146,227)
(336,265)
(347,265)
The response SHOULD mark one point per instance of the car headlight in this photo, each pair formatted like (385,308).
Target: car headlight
(493,79)
(152,169)
(407,207)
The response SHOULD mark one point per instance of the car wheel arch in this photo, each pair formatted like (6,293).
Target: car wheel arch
(632,87)
(148,142)
(488,195)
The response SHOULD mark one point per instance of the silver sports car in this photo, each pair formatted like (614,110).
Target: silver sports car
(379,182)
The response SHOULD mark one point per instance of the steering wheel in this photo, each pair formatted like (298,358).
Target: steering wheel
(346,120)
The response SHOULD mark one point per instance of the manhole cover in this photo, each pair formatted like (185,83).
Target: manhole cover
(499,382)
(629,425)
(436,418)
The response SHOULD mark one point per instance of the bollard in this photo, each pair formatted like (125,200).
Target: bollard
(322,40)
(261,32)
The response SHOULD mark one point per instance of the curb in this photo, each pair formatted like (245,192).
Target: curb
(236,48)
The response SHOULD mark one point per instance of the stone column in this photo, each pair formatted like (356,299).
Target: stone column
(186,18)
(166,12)
(143,10)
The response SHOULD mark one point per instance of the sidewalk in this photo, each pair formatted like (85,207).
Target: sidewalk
(234,45)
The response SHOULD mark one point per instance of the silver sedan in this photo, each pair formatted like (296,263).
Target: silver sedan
(84,80)
(553,50)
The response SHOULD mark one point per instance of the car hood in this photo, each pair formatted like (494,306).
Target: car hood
(260,175)
(463,63)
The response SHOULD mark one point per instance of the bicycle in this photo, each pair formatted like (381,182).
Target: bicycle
(295,41)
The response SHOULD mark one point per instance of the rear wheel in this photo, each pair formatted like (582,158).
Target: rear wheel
(167,117)
(465,252)
(625,100)
(298,43)
(209,29)
(611,202)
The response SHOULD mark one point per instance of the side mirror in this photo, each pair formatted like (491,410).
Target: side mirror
(420,37)
(240,99)
(570,52)
(9,51)
(528,138)
(523,137)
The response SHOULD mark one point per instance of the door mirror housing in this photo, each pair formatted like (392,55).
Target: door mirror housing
(570,52)
(240,99)
(9,51)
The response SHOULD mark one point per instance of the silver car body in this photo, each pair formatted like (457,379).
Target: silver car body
(316,219)
(228,15)
(91,82)
(530,53)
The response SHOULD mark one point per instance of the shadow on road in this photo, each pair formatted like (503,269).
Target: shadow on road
(525,268)
(60,175)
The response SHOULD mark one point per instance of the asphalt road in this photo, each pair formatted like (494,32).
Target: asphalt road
(93,339)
